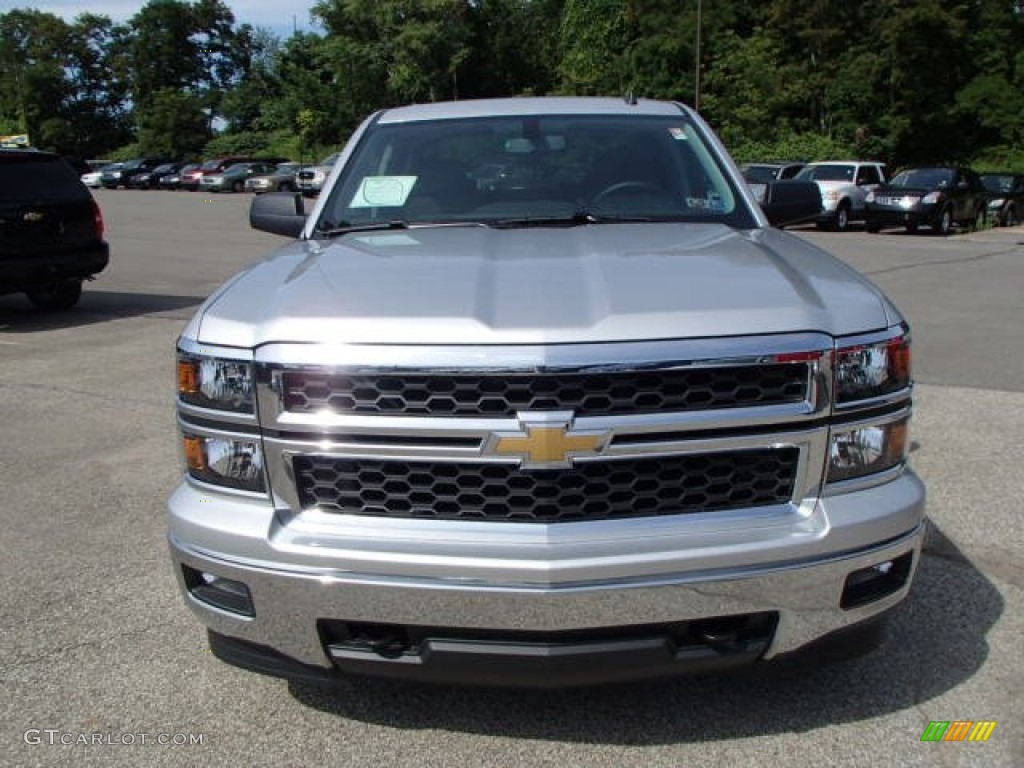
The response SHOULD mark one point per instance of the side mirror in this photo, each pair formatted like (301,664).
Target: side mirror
(280,213)
(789,201)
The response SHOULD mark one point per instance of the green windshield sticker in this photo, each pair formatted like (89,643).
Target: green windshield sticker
(383,191)
(387,241)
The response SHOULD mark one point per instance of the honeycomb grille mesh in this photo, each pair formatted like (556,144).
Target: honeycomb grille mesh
(586,394)
(589,491)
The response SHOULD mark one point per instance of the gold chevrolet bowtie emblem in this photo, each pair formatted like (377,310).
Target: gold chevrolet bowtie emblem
(546,444)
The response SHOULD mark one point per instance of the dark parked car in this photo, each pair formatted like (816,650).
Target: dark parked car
(761,172)
(190,180)
(173,180)
(1005,192)
(281,179)
(232,178)
(114,177)
(51,229)
(151,179)
(936,197)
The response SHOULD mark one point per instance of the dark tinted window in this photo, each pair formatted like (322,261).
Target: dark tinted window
(1002,182)
(760,172)
(868,174)
(928,178)
(38,178)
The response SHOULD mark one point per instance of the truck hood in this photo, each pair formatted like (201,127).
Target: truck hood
(584,284)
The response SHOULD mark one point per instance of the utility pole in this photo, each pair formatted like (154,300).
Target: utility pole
(696,66)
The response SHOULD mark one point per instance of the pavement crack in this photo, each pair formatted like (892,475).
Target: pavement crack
(942,262)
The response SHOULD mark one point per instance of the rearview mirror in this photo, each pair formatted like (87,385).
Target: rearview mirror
(789,202)
(280,213)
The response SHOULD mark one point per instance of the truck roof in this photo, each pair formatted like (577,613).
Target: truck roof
(566,105)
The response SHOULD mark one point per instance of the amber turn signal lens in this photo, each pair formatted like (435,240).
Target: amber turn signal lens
(188,377)
(899,359)
(195,453)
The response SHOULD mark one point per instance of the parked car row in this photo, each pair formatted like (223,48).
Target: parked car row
(223,174)
(937,197)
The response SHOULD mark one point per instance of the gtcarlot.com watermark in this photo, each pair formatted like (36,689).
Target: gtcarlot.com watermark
(57,737)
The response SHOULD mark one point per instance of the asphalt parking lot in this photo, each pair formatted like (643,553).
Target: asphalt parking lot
(95,640)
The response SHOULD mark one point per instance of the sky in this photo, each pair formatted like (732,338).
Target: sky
(274,15)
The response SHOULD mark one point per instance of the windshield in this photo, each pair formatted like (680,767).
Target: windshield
(829,172)
(926,178)
(38,178)
(505,170)
(997,182)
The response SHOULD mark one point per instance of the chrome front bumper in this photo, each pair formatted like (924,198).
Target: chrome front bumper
(796,569)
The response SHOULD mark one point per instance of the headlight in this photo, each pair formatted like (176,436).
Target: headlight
(931,198)
(866,450)
(870,370)
(996,203)
(869,197)
(230,462)
(209,382)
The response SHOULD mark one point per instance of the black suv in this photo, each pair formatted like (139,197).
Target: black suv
(119,174)
(1005,192)
(51,230)
(937,197)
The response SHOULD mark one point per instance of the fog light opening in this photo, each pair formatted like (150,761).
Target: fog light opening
(867,585)
(226,594)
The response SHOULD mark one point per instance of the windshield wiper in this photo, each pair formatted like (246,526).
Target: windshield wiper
(576,219)
(343,227)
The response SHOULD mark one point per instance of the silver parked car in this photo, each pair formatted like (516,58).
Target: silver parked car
(537,397)
(281,179)
(310,179)
(844,185)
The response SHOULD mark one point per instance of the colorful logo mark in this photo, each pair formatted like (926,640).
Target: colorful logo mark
(958,730)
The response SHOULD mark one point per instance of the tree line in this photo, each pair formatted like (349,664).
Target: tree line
(905,82)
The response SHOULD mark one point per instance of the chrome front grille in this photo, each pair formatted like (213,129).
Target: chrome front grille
(545,433)
(585,394)
(595,490)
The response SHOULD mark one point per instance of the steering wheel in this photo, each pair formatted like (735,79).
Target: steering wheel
(630,186)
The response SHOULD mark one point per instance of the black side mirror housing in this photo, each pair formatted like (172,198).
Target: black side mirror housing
(790,202)
(280,213)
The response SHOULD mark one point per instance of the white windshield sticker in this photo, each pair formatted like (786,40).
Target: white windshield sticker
(383,191)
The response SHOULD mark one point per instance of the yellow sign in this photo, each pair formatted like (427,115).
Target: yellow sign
(14,141)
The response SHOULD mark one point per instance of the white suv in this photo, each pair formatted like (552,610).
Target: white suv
(844,184)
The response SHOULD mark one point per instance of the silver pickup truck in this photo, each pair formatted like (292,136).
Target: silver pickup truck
(535,396)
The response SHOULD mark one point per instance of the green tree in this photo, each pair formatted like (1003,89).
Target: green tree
(192,48)
(411,50)
(33,89)
(174,125)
